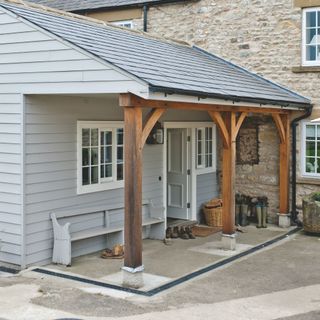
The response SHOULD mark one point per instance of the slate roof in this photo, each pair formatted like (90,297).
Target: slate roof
(82,5)
(166,66)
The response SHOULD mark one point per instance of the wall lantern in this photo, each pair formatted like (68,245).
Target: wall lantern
(156,135)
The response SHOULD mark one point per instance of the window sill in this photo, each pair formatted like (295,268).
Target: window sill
(311,180)
(305,69)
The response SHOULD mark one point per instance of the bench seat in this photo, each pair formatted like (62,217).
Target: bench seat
(63,237)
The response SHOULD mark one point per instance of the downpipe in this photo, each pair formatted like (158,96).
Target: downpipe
(294,123)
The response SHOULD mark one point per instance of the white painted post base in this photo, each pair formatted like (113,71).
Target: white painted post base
(284,220)
(228,242)
(132,277)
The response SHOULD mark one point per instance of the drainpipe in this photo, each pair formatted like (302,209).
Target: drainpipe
(294,124)
(145,18)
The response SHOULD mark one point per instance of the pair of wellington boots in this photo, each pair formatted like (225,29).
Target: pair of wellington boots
(262,217)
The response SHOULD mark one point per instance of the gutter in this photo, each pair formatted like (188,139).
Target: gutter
(294,124)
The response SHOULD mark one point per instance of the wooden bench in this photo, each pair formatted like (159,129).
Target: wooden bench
(63,237)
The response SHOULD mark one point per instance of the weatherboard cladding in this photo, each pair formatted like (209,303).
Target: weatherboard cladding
(79,5)
(164,65)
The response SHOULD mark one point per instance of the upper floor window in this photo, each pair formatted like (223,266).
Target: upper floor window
(124,23)
(100,156)
(311,149)
(311,36)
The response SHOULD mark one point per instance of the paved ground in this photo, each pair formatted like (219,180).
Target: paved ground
(282,282)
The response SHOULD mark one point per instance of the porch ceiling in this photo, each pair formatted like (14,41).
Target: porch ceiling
(164,65)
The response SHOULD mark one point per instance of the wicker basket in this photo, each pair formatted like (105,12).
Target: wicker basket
(213,213)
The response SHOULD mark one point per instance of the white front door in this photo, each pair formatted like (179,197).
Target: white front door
(178,175)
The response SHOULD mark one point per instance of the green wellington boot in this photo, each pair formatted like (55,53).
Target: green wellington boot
(259,217)
(264,210)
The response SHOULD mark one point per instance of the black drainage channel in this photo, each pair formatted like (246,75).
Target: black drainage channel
(173,283)
(9,270)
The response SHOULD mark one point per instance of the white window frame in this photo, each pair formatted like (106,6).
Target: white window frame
(306,62)
(123,23)
(303,151)
(104,183)
(202,169)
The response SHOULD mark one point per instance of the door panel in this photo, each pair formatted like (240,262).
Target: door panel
(177,177)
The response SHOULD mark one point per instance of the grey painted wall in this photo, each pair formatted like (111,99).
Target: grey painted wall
(207,188)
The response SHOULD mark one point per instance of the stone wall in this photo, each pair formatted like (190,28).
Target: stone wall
(263,36)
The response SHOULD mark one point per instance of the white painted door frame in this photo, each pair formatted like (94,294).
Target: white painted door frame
(192,212)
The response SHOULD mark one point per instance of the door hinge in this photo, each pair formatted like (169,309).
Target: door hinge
(188,172)
(188,138)
(188,205)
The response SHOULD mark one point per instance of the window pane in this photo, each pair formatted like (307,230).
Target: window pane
(311,19)
(120,154)
(85,156)
(120,171)
(94,156)
(199,160)
(310,36)
(310,149)
(199,134)
(108,154)
(108,170)
(310,165)
(94,137)
(318,131)
(199,147)
(94,174)
(311,53)
(318,165)
(85,176)
(310,132)
(120,136)
(85,137)
(102,171)
(108,137)
(102,140)
(102,152)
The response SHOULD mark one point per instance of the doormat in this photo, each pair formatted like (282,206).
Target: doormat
(204,231)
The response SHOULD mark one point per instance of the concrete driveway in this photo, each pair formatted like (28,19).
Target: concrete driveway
(280,282)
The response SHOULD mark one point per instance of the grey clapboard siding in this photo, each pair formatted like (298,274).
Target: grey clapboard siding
(10,177)
(31,61)
(51,183)
(207,188)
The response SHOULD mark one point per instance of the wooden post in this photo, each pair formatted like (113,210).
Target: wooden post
(133,187)
(229,128)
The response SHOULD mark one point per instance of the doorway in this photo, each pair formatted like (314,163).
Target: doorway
(179,173)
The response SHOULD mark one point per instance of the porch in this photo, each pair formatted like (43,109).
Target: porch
(166,266)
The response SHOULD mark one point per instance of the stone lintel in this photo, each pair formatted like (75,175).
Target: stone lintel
(305,69)
(306,3)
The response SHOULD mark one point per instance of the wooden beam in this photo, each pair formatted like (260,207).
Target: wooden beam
(217,118)
(238,125)
(280,126)
(151,119)
(130,100)
(284,166)
(133,187)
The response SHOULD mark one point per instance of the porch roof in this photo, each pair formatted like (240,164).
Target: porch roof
(164,65)
(87,5)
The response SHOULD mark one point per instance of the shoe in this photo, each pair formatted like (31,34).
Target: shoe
(175,233)
(169,233)
(183,234)
(189,233)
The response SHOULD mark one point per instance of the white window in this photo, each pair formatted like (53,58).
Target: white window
(311,149)
(124,23)
(311,36)
(100,156)
(204,148)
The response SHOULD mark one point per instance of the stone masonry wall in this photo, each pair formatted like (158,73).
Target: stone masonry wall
(263,36)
